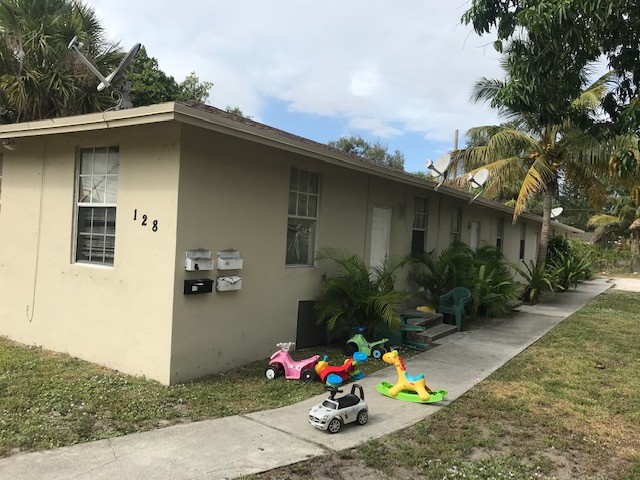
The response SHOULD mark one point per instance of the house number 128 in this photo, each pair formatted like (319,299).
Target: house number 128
(145,219)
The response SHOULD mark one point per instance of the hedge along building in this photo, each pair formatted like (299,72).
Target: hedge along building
(98,214)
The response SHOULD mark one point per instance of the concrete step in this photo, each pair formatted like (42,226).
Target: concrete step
(427,320)
(434,333)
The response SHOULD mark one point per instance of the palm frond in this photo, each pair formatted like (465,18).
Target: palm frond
(486,89)
(602,220)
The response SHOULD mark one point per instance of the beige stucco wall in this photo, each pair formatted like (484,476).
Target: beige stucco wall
(206,190)
(118,316)
(234,194)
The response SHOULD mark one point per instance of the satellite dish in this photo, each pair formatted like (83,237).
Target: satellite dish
(555,212)
(117,74)
(439,167)
(115,79)
(477,180)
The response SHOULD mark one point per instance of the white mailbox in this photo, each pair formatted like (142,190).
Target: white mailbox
(225,284)
(229,260)
(199,259)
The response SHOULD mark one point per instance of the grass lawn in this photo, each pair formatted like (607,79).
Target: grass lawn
(49,400)
(567,408)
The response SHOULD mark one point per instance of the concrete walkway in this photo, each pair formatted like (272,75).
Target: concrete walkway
(242,445)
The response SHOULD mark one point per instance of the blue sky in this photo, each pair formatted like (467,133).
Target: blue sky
(413,145)
(400,73)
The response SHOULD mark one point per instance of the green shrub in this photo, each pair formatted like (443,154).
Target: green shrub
(494,292)
(355,296)
(436,274)
(558,245)
(538,281)
(484,271)
(610,261)
(570,269)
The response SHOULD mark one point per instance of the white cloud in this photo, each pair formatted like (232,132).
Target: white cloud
(384,67)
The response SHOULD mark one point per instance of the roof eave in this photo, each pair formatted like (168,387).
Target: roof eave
(184,113)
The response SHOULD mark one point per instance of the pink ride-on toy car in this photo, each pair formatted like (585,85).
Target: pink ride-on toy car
(281,364)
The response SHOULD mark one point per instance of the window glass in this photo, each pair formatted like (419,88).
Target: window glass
(420,214)
(300,241)
(97,187)
(456,218)
(500,233)
(523,236)
(419,226)
(303,212)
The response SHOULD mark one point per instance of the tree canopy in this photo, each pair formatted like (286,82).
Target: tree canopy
(41,78)
(549,45)
(375,152)
(150,85)
(538,157)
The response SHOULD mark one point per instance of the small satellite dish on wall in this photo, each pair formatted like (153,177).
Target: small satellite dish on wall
(477,180)
(115,79)
(439,167)
(555,212)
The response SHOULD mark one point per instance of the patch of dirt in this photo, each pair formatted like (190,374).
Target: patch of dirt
(329,467)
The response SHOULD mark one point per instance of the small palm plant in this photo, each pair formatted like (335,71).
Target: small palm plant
(540,279)
(355,296)
(436,274)
(484,271)
(493,289)
(570,269)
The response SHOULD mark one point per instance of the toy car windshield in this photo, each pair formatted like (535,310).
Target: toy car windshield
(330,404)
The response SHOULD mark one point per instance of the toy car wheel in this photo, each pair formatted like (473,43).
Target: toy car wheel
(377,352)
(272,372)
(308,375)
(350,348)
(363,416)
(334,425)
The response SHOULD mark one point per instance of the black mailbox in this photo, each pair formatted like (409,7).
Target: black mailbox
(200,285)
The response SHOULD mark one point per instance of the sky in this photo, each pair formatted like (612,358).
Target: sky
(398,73)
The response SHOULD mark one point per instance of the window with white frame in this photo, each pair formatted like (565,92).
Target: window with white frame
(523,238)
(456,223)
(96,194)
(500,233)
(420,220)
(303,217)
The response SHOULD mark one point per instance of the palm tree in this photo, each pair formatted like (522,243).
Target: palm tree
(623,217)
(39,76)
(539,156)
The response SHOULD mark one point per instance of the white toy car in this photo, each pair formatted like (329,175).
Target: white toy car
(334,412)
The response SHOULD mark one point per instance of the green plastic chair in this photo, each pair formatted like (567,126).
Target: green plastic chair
(453,303)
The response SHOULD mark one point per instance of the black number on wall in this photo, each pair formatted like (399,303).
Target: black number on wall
(154,224)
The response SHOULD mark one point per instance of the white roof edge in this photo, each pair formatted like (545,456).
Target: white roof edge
(111,119)
(169,111)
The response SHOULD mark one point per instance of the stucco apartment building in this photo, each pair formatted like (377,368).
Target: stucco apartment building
(177,240)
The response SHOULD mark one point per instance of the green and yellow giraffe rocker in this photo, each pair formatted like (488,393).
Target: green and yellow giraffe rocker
(408,388)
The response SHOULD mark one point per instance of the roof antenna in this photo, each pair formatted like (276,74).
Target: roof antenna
(477,180)
(439,167)
(115,79)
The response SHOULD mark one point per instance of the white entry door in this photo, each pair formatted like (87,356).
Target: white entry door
(380,234)
(475,235)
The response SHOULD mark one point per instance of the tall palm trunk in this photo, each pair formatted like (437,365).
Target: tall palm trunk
(543,245)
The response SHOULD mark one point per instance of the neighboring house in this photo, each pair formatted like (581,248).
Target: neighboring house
(98,211)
